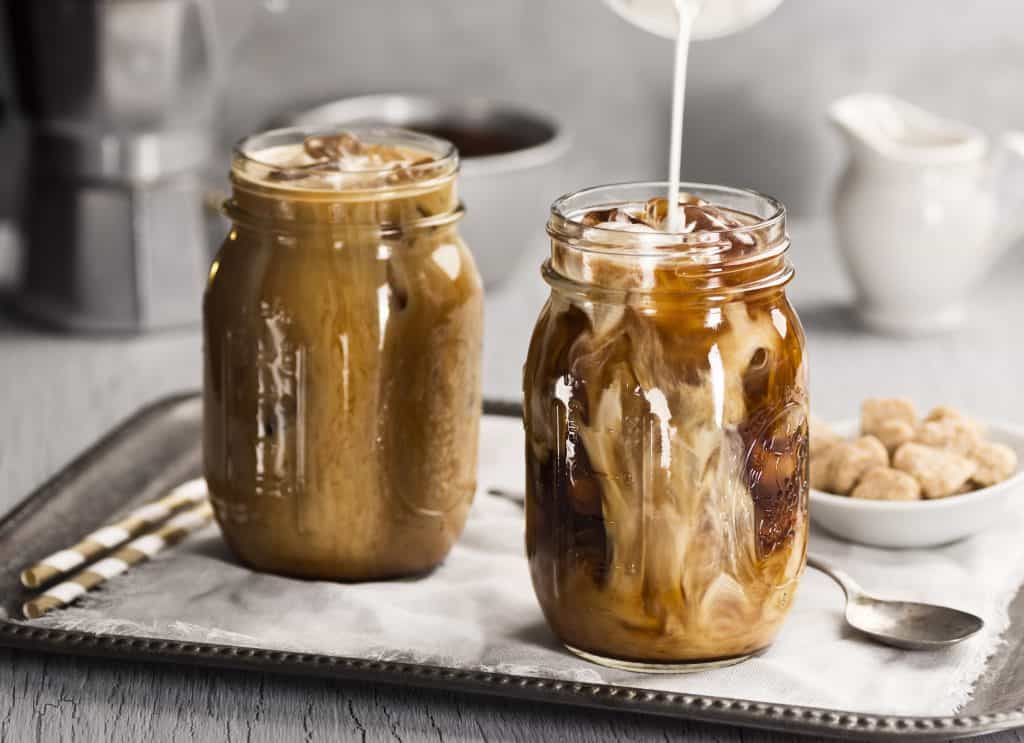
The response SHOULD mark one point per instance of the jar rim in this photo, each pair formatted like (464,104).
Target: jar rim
(444,165)
(566,212)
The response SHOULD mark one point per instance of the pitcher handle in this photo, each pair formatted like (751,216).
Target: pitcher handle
(1009,185)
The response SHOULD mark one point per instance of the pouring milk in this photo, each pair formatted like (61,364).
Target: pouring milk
(683,20)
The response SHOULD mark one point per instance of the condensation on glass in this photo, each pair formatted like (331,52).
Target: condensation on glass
(343,324)
(666,429)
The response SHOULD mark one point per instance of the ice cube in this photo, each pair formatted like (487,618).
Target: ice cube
(655,213)
(633,234)
(406,172)
(333,147)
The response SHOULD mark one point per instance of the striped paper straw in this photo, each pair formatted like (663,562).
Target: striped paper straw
(139,550)
(104,539)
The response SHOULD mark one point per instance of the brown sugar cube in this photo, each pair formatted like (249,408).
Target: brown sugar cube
(994,463)
(952,434)
(851,459)
(875,411)
(821,465)
(940,472)
(876,448)
(885,483)
(822,437)
(945,412)
(893,433)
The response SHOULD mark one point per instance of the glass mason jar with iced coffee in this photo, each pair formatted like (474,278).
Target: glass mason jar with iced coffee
(666,428)
(343,323)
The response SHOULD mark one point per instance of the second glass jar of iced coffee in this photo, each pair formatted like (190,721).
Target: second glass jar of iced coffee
(343,323)
(666,429)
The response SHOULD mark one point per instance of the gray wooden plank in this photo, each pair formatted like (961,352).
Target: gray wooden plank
(74,699)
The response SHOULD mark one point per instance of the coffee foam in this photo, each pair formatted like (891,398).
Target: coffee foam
(288,156)
(342,161)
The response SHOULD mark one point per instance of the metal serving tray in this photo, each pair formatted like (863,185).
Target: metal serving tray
(159,447)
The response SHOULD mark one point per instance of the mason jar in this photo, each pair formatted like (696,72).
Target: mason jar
(342,327)
(666,430)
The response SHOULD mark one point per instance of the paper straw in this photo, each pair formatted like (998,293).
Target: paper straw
(107,538)
(139,550)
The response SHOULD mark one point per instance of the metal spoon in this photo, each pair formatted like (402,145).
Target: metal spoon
(902,624)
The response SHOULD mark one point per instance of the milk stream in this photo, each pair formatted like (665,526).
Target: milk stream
(687,10)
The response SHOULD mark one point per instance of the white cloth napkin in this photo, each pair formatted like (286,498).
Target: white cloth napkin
(478,611)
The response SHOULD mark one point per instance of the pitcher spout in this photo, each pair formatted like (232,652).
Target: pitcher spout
(890,130)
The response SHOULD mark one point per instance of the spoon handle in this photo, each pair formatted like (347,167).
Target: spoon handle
(848,584)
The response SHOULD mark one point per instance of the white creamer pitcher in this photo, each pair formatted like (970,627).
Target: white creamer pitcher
(921,211)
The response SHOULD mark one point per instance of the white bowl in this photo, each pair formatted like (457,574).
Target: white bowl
(924,523)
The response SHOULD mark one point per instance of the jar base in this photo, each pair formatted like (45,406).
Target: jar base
(654,667)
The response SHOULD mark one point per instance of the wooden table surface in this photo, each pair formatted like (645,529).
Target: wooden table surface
(59,393)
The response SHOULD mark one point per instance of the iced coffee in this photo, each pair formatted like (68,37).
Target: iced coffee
(666,429)
(343,323)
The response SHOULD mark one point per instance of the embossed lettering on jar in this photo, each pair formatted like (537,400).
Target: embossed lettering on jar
(666,429)
(343,323)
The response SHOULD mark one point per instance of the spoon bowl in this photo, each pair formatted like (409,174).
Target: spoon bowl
(903,624)
(910,625)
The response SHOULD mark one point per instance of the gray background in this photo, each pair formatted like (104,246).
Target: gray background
(756,101)
(755,106)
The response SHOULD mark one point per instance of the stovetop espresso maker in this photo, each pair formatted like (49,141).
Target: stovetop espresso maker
(119,97)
